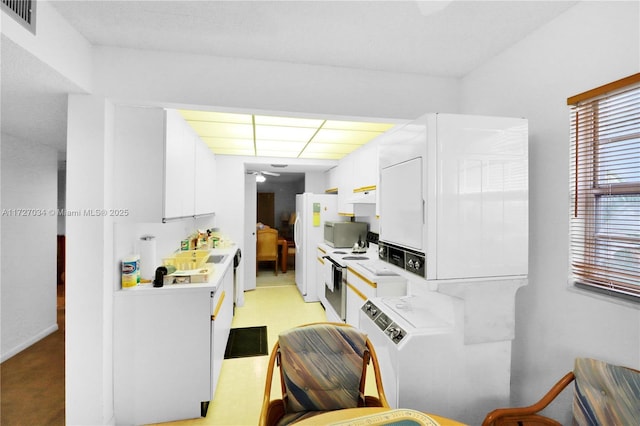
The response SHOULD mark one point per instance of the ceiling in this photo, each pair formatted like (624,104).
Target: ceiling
(437,38)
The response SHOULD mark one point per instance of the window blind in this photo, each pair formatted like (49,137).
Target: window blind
(605,189)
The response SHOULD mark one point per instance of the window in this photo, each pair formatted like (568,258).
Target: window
(605,188)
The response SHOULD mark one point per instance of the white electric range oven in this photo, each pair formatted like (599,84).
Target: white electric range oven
(335,279)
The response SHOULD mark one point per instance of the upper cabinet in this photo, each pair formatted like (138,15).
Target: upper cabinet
(139,162)
(365,170)
(331,180)
(345,179)
(189,176)
(163,169)
(356,178)
(205,179)
(179,173)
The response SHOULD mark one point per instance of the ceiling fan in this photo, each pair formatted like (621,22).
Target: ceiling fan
(260,174)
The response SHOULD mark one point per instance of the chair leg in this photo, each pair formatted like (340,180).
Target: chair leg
(275,267)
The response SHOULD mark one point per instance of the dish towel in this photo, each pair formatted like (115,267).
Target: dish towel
(328,274)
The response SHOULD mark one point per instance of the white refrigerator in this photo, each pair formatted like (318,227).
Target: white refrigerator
(312,211)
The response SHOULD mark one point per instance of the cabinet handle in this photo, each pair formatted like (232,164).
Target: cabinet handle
(218,306)
(357,292)
(363,278)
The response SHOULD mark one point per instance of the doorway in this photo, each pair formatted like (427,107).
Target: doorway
(266,208)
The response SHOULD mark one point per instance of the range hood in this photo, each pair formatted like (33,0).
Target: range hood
(364,195)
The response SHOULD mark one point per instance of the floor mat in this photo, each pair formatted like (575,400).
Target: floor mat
(247,341)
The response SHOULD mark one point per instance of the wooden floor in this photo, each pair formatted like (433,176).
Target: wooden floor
(32,386)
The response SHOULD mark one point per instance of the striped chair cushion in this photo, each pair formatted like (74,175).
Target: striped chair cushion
(321,366)
(605,394)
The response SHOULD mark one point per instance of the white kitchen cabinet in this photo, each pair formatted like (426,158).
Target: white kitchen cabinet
(356,296)
(356,177)
(365,169)
(189,170)
(221,325)
(363,285)
(138,161)
(331,180)
(320,272)
(163,170)
(168,348)
(162,354)
(205,178)
(344,177)
(180,173)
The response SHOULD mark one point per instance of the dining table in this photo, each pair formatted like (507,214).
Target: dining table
(370,416)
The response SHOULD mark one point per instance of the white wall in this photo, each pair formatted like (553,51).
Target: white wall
(28,282)
(164,77)
(591,44)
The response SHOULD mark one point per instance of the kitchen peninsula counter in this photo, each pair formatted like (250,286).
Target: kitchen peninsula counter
(215,277)
(169,344)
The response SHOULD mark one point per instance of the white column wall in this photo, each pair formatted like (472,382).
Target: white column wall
(591,44)
(90,263)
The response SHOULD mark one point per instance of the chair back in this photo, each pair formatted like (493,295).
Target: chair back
(267,244)
(322,367)
(605,394)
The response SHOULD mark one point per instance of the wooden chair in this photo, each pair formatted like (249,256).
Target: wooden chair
(604,394)
(267,247)
(311,358)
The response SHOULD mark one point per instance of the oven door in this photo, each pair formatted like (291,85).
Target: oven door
(334,290)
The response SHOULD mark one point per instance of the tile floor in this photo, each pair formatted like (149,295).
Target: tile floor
(240,390)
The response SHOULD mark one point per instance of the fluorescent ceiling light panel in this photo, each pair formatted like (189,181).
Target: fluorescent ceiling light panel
(284,154)
(344,136)
(288,121)
(215,143)
(331,148)
(279,146)
(222,130)
(321,155)
(274,136)
(357,125)
(219,117)
(278,133)
(234,151)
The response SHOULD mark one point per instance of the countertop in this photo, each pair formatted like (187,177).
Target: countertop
(373,260)
(218,271)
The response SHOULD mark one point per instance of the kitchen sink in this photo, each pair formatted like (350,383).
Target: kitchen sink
(187,260)
(217,258)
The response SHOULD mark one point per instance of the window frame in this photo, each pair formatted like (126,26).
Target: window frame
(587,239)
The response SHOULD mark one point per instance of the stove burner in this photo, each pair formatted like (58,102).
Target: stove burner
(339,252)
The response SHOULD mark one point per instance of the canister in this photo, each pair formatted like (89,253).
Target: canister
(130,271)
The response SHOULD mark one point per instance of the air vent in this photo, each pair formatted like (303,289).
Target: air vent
(23,11)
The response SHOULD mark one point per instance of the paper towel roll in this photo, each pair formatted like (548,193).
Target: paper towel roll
(147,257)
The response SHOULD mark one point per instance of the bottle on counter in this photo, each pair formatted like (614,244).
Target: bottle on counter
(130,271)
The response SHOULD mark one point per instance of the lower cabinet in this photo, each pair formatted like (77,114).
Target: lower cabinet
(362,286)
(320,273)
(359,289)
(168,350)
(222,308)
